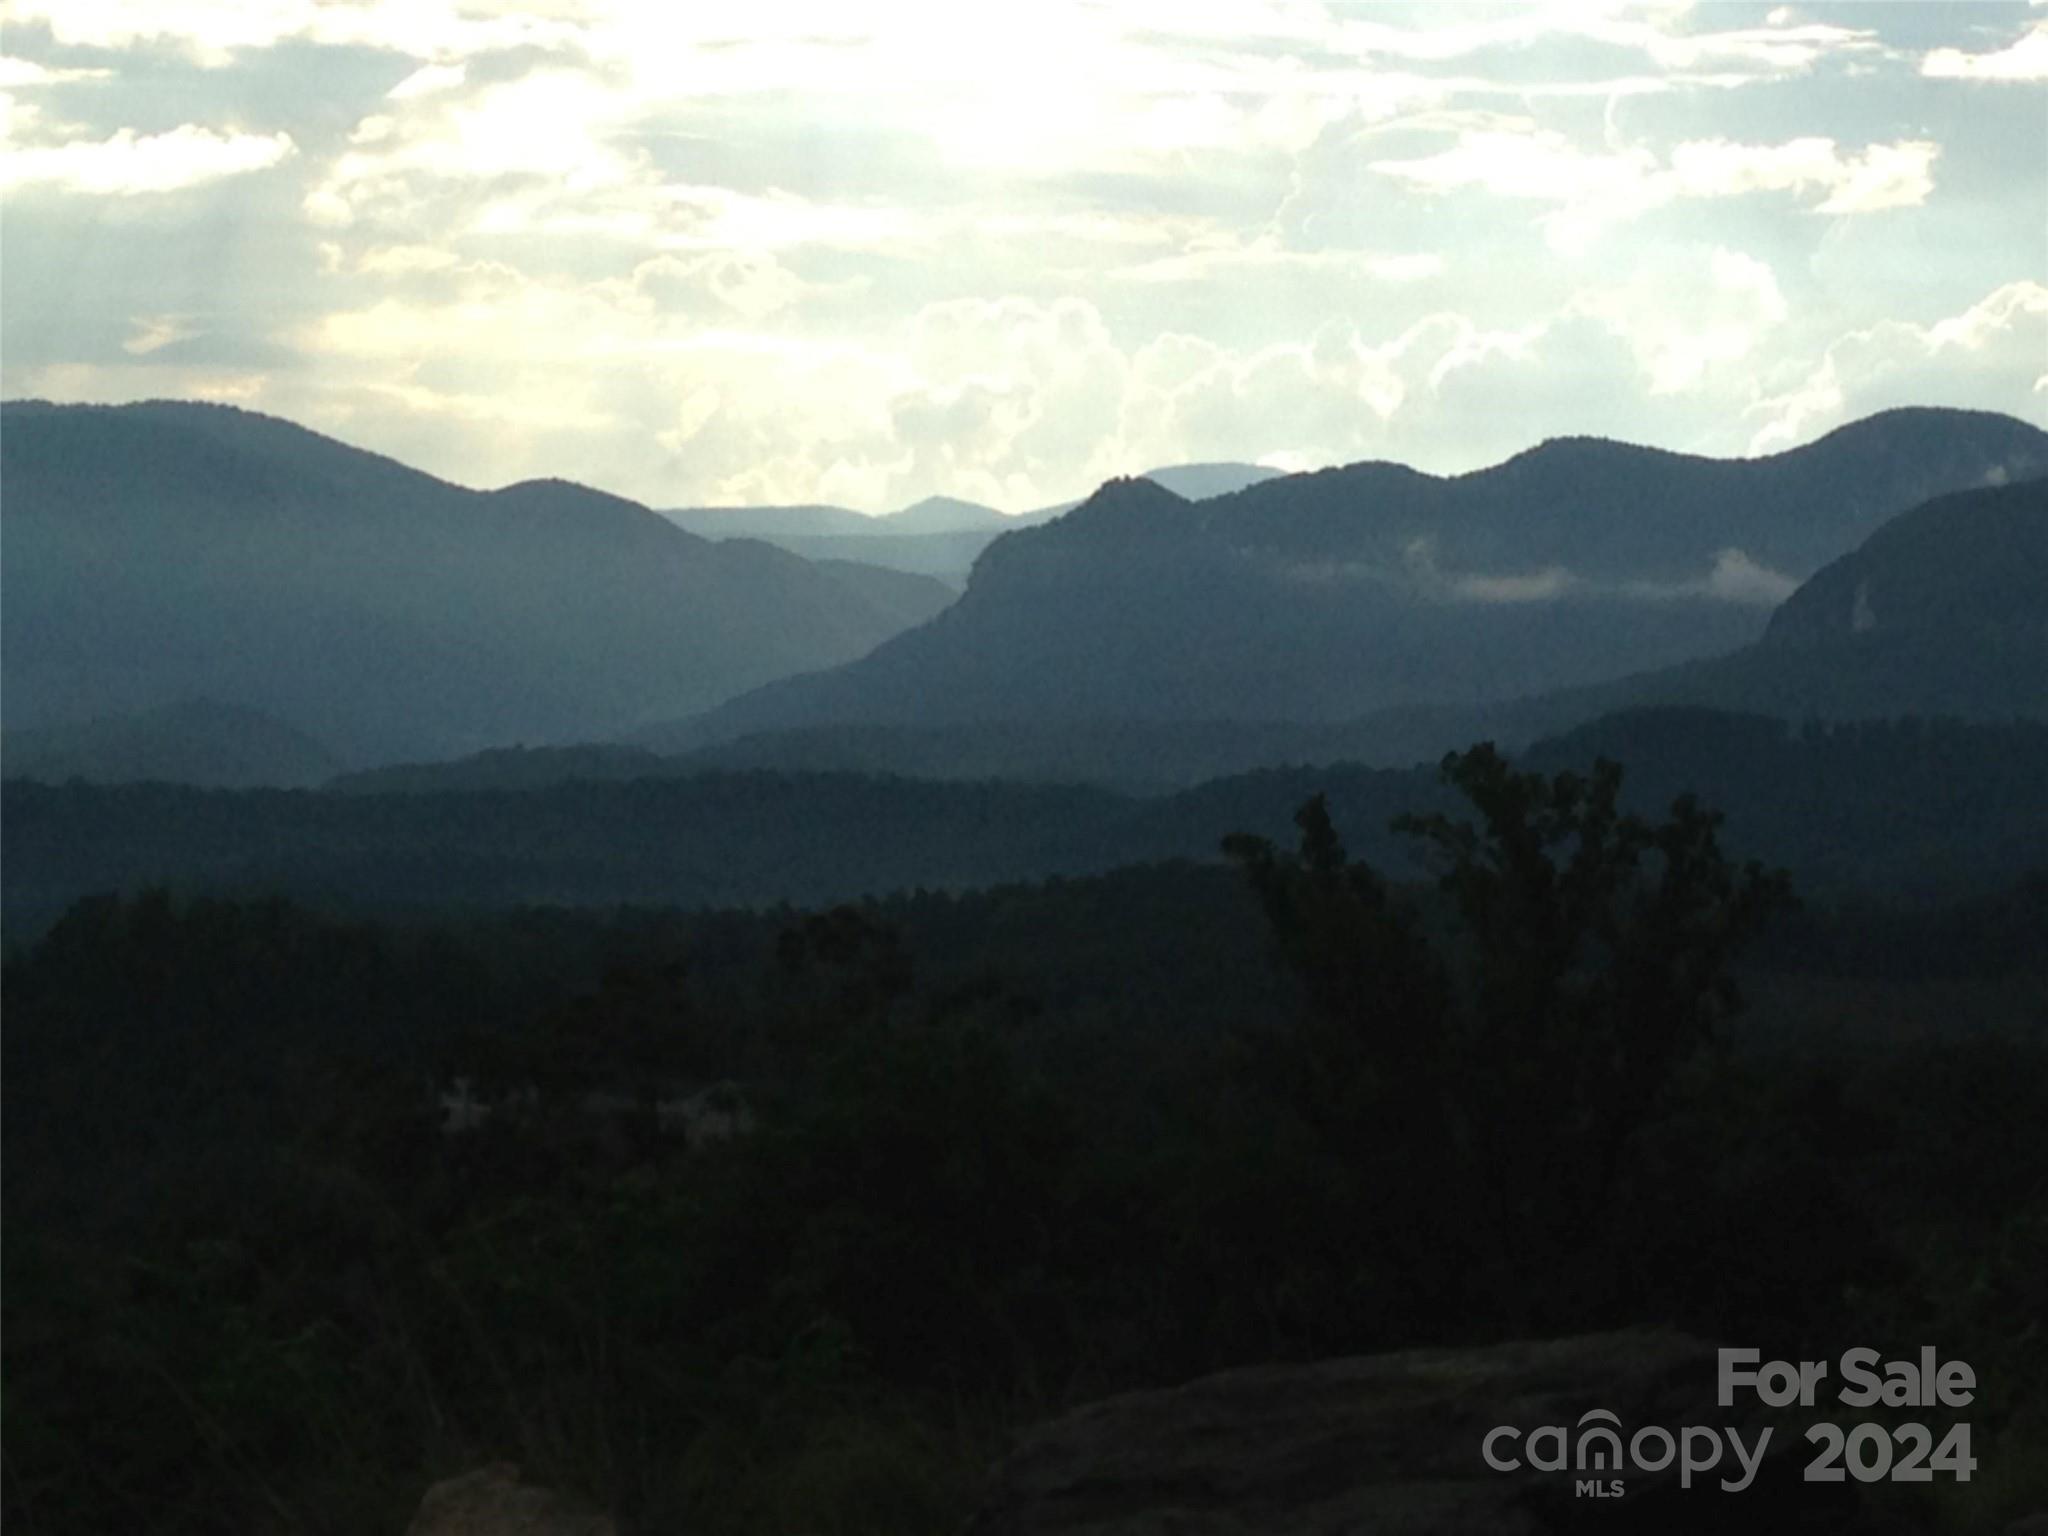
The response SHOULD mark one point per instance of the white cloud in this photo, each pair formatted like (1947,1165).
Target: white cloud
(548,128)
(209,30)
(624,382)
(1800,413)
(1009,400)
(19,74)
(1736,578)
(1691,316)
(1776,49)
(1596,190)
(1733,577)
(1546,585)
(751,284)
(1296,397)
(1539,164)
(1883,176)
(2026,59)
(1987,357)
(155,332)
(404,260)
(552,153)
(799,250)
(428,79)
(1662,33)
(131,163)
(1990,321)
(1227,259)
(807,44)
(213,32)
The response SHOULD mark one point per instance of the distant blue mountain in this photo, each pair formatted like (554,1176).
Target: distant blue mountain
(940,536)
(164,551)
(1330,596)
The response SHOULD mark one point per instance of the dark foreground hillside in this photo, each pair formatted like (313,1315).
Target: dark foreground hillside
(764,1222)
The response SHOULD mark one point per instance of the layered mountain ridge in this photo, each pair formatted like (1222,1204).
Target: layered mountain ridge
(939,536)
(1347,592)
(169,550)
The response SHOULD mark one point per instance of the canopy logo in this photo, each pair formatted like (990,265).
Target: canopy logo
(1601,1460)
(1595,1445)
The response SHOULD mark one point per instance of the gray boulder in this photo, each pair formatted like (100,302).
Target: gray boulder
(492,1501)
(1392,1445)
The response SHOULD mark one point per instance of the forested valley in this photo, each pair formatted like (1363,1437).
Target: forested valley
(772,1220)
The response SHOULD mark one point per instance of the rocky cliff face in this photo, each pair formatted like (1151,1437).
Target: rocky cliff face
(1394,1444)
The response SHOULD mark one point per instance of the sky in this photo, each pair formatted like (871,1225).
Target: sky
(814,250)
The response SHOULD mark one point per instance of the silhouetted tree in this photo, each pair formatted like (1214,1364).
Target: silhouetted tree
(1497,1061)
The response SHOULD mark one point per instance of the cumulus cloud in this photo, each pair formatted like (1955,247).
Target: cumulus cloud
(750,284)
(1012,401)
(2001,314)
(1020,403)
(1320,399)
(1015,395)
(801,252)
(1992,355)
(1691,316)
(545,130)
(554,153)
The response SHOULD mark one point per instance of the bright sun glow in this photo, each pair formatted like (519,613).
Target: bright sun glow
(880,252)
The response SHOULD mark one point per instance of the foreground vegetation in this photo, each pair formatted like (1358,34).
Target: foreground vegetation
(998,1154)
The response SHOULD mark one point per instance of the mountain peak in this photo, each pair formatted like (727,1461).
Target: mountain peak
(1134,492)
(944,504)
(1578,450)
(1927,418)
(552,489)
(942,514)
(1126,505)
